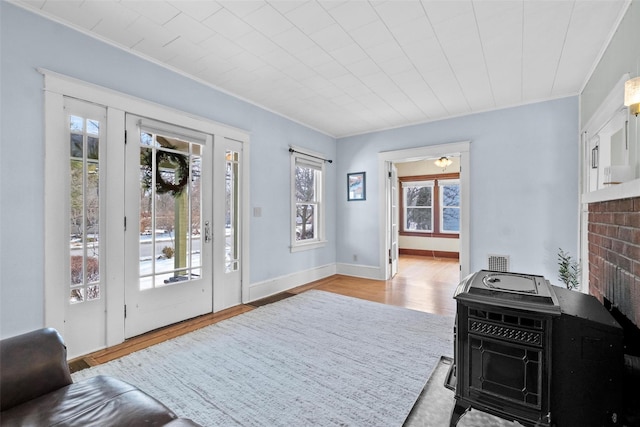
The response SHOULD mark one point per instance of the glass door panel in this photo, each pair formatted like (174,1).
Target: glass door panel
(169,211)
(227,233)
(169,274)
(83,160)
(231,210)
(84,208)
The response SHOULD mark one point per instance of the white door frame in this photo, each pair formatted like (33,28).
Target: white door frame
(227,285)
(432,151)
(56,86)
(159,305)
(394,217)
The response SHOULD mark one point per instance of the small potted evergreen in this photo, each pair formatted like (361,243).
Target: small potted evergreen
(569,270)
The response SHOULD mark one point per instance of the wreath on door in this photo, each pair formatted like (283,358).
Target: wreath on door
(162,185)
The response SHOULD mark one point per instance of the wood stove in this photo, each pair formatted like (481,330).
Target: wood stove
(535,353)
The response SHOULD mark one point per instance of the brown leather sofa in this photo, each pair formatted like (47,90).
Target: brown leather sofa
(36,389)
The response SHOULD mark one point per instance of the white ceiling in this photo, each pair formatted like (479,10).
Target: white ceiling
(350,67)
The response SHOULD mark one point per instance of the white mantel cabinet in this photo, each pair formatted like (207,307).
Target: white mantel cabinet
(611,153)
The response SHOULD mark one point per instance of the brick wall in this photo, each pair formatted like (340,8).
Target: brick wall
(614,254)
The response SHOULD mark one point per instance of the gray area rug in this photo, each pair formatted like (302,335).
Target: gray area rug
(316,359)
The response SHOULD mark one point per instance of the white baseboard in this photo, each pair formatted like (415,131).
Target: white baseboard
(364,271)
(283,283)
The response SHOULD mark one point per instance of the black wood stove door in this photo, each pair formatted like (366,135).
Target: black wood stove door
(505,370)
(502,363)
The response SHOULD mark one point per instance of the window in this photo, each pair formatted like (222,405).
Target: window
(450,206)
(430,205)
(170,202)
(231,211)
(85,132)
(418,206)
(307,177)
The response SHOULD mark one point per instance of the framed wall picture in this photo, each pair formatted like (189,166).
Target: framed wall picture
(356,186)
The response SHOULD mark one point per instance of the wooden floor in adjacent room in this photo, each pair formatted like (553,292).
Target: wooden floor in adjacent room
(422,283)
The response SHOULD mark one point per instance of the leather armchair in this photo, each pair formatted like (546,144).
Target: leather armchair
(36,389)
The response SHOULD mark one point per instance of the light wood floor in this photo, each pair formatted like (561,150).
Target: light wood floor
(423,284)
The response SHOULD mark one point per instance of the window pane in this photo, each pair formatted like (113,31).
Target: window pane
(418,196)
(147,139)
(77,202)
(92,148)
(77,295)
(308,209)
(418,208)
(450,208)
(231,211)
(92,219)
(146,283)
(93,127)
(76,124)
(146,249)
(170,211)
(77,270)
(418,219)
(76,145)
(305,222)
(84,209)
(451,219)
(451,195)
(93,292)
(305,184)
(194,195)
(165,241)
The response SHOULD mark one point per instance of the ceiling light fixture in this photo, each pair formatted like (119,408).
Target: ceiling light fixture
(632,95)
(443,162)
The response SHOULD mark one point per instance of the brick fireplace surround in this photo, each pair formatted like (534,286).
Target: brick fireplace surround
(614,255)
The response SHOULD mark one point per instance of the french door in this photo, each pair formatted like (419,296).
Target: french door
(393,215)
(227,234)
(168,212)
(143,218)
(82,156)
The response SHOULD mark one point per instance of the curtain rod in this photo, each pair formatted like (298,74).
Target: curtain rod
(291,150)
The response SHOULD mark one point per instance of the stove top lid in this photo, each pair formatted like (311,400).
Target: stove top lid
(511,283)
(526,291)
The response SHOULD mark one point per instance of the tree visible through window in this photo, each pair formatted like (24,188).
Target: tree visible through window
(450,207)
(307,177)
(431,205)
(231,211)
(305,202)
(418,204)
(170,210)
(84,207)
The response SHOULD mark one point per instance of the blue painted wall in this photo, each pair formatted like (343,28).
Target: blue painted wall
(30,41)
(524,184)
(524,166)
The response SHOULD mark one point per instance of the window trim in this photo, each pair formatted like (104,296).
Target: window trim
(315,159)
(422,183)
(437,208)
(443,183)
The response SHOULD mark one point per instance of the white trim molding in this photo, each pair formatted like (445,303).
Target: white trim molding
(276,285)
(462,149)
(56,88)
(355,270)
